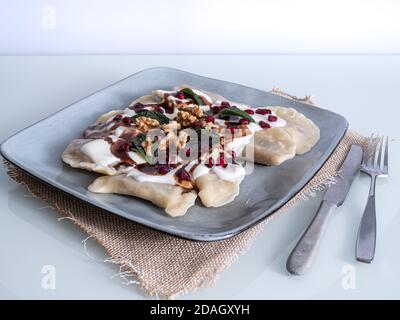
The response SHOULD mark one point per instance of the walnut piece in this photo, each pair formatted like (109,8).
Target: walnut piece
(185,118)
(144,123)
(168,140)
(146,144)
(197,111)
(172,126)
(182,139)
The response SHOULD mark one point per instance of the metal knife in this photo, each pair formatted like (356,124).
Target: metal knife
(304,253)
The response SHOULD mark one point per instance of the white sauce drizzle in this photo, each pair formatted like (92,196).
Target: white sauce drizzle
(100,153)
(138,175)
(233,172)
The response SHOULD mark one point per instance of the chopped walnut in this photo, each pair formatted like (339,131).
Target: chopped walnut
(197,111)
(146,144)
(182,139)
(169,139)
(185,118)
(171,126)
(144,123)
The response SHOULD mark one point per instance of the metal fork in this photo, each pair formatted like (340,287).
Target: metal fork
(375,164)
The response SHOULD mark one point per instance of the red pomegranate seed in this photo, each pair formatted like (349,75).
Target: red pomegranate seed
(210,119)
(249,111)
(182,174)
(222,161)
(127,120)
(180,95)
(210,163)
(232,130)
(264,125)
(263,111)
(123,147)
(272,118)
(198,124)
(244,121)
(118,117)
(216,109)
(138,106)
(187,152)
(164,169)
(158,109)
(225,104)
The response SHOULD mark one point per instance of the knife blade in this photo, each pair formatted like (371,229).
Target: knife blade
(304,253)
(337,192)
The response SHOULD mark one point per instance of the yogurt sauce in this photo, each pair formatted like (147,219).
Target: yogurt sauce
(100,153)
(233,172)
(168,178)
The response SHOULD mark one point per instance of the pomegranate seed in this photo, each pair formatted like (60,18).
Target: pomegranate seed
(123,147)
(263,111)
(210,119)
(216,109)
(187,152)
(127,120)
(182,174)
(138,106)
(158,109)
(198,124)
(118,117)
(210,163)
(272,118)
(222,162)
(180,95)
(249,111)
(232,130)
(244,121)
(163,169)
(264,125)
(225,104)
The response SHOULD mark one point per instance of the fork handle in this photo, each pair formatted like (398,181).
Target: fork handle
(366,238)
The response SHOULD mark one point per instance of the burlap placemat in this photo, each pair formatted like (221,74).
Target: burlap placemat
(163,265)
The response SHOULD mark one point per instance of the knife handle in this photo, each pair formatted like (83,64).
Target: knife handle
(304,253)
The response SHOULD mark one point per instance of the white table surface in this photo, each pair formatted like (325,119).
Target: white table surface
(362,88)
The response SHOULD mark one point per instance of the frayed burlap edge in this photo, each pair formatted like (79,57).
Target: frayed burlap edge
(203,273)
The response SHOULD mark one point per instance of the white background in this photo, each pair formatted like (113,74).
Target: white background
(199,26)
(364,89)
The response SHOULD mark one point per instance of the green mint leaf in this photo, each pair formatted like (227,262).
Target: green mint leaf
(191,95)
(234,111)
(137,144)
(162,119)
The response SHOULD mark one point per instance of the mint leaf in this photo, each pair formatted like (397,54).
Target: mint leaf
(162,119)
(234,111)
(191,95)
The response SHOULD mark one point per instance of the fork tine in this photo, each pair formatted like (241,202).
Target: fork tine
(372,151)
(378,152)
(367,154)
(385,159)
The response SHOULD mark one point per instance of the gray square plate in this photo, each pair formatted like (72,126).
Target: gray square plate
(37,150)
